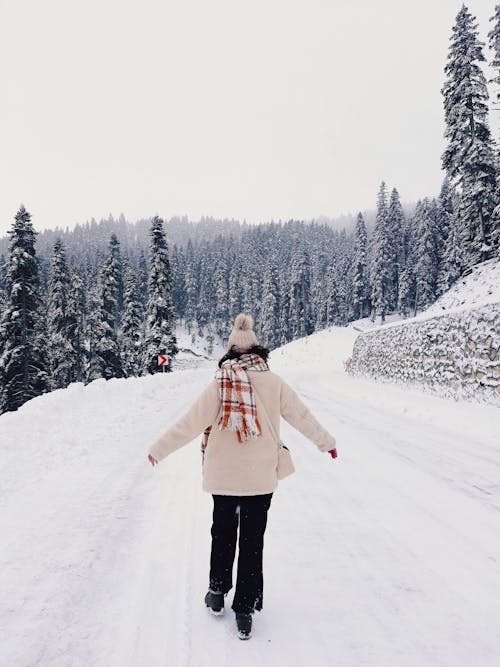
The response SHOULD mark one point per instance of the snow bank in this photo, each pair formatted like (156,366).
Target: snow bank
(322,353)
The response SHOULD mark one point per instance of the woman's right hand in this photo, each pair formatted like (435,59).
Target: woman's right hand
(333,453)
(152,460)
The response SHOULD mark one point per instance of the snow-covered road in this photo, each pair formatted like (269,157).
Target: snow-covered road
(389,555)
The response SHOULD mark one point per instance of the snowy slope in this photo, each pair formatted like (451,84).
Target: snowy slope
(478,288)
(387,556)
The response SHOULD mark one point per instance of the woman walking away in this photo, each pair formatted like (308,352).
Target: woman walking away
(239,416)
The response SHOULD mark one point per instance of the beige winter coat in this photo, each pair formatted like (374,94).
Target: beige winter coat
(247,469)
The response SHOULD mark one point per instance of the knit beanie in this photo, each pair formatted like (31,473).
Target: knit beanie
(242,336)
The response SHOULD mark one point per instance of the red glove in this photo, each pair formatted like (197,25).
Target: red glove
(333,453)
(152,460)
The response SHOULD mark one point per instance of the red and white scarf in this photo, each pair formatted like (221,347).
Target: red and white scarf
(239,412)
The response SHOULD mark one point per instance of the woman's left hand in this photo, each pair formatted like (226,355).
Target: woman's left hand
(152,460)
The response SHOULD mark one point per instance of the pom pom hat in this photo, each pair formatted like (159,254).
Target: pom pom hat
(242,336)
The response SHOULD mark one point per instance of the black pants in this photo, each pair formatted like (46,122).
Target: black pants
(250,513)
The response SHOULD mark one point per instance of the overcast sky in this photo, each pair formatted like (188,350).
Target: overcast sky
(261,110)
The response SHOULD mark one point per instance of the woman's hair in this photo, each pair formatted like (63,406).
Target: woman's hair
(234,353)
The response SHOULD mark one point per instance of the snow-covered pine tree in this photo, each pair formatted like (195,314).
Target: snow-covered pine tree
(342,260)
(381,273)
(94,332)
(361,286)
(107,359)
(178,281)
(220,286)
(23,371)
(407,286)
(131,325)
(3,281)
(318,295)
(320,256)
(76,312)
(301,322)
(58,342)
(143,277)
(250,264)
(494,42)
(285,324)
(332,296)
(395,224)
(448,244)
(160,332)
(234,280)
(205,297)
(270,310)
(114,277)
(426,261)
(190,286)
(469,158)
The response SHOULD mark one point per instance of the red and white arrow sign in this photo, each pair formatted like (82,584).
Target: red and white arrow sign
(162,359)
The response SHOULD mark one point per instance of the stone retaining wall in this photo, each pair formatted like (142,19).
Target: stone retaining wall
(455,354)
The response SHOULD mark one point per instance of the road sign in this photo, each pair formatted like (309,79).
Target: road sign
(162,360)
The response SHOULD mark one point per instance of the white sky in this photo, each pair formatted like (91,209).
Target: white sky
(258,110)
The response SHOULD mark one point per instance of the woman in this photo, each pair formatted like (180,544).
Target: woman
(244,403)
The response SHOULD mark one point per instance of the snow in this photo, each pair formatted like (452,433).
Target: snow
(478,288)
(192,345)
(386,556)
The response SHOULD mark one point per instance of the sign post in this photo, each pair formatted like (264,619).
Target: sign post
(163,361)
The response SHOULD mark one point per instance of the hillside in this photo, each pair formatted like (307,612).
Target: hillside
(480,287)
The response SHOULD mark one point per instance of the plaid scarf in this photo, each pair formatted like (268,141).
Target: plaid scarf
(238,403)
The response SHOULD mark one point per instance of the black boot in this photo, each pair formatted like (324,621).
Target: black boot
(244,623)
(215,601)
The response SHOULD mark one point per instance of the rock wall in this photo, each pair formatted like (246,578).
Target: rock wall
(455,354)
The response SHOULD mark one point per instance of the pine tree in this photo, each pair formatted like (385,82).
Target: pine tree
(332,297)
(395,223)
(107,359)
(94,332)
(269,329)
(132,325)
(76,312)
(143,277)
(494,41)
(59,345)
(234,282)
(3,282)
(220,283)
(381,273)
(361,287)
(190,286)
(204,301)
(468,158)
(426,264)
(448,243)
(301,322)
(178,281)
(160,332)
(285,325)
(114,279)
(407,286)
(23,372)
